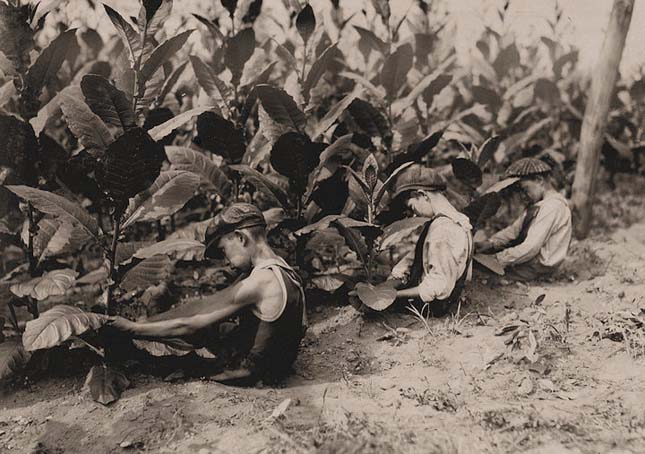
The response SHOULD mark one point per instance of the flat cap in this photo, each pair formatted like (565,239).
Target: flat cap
(527,167)
(235,217)
(418,177)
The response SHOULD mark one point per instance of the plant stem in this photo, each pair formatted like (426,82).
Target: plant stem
(304,63)
(90,346)
(30,241)
(14,318)
(112,259)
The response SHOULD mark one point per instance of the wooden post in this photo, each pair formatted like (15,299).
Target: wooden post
(603,82)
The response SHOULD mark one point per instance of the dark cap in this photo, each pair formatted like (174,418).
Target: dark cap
(235,217)
(527,167)
(418,177)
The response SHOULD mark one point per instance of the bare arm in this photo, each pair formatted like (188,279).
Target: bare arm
(199,315)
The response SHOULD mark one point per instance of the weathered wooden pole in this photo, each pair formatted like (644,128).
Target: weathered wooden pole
(603,81)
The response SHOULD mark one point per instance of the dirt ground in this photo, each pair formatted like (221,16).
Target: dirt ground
(389,383)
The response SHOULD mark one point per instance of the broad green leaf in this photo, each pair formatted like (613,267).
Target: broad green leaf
(161,55)
(322,224)
(488,149)
(318,69)
(295,156)
(170,83)
(53,283)
(18,146)
(108,102)
(370,120)
(175,248)
(306,23)
(378,297)
(230,6)
(149,272)
(125,250)
(395,70)
(262,183)
(354,240)
(50,60)
(372,42)
(182,158)
(370,172)
(281,107)
(489,262)
(55,205)
(52,238)
(395,233)
(467,172)
(212,28)
(57,325)
(16,37)
(106,384)
(88,127)
(193,231)
(13,357)
(152,16)
(334,113)
(220,136)
(131,164)
(239,49)
(167,195)
(214,87)
(128,35)
(161,131)
(382,8)
(388,182)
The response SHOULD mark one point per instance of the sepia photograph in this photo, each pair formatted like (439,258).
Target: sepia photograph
(324,226)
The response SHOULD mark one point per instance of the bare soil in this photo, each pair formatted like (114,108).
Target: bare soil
(389,383)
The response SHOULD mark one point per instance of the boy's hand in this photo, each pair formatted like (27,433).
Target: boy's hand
(484,246)
(120,323)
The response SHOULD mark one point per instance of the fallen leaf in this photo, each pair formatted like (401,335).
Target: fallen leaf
(280,409)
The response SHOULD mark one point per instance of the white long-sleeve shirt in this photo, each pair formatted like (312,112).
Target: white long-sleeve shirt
(446,255)
(548,236)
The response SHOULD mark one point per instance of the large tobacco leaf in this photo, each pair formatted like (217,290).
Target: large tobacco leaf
(306,22)
(57,325)
(127,33)
(13,357)
(105,384)
(88,127)
(52,283)
(281,107)
(239,49)
(317,70)
(167,195)
(182,158)
(161,131)
(18,145)
(369,120)
(108,102)
(176,248)
(50,60)
(467,172)
(149,272)
(16,37)
(220,136)
(161,55)
(214,87)
(57,206)
(263,184)
(395,70)
(378,297)
(295,156)
(131,164)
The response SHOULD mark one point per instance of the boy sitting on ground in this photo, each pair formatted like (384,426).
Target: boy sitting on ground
(537,242)
(436,271)
(269,301)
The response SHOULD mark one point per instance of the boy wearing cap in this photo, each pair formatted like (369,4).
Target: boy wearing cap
(436,271)
(269,300)
(537,242)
